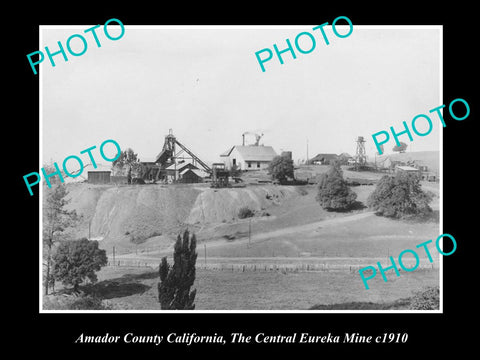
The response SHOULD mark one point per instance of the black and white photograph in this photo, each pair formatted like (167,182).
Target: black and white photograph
(247,179)
(238,182)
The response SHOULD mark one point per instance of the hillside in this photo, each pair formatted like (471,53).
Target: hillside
(128,215)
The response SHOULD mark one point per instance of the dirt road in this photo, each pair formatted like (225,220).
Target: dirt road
(259,237)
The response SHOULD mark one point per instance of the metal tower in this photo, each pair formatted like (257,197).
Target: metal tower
(360,156)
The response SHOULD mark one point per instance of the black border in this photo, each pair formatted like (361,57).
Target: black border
(428,333)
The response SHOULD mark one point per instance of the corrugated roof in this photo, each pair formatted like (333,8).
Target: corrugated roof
(253,152)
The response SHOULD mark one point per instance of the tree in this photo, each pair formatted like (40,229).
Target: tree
(400,196)
(56,221)
(333,191)
(175,281)
(402,148)
(281,168)
(76,260)
(128,162)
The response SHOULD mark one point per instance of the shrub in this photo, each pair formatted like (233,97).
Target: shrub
(245,212)
(428,299)
(333,191)
(400,196)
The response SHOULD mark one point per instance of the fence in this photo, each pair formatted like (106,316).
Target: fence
(285,268)
(263,267)
(132,263)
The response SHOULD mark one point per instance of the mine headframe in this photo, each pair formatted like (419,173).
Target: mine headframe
(174,152)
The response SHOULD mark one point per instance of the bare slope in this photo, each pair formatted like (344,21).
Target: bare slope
(222,205)
(129,215)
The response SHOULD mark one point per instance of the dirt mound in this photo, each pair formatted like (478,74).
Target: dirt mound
(221,205)
(141,212)
(128,215)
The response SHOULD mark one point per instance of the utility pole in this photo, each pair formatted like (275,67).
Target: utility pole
(307,151)
(249,231)
(205,248)
(114,256)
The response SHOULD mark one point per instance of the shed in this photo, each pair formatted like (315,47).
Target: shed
(406,169)
(99,177)
(192,176)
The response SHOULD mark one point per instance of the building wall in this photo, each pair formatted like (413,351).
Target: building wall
(190,177)
(236,158)
(257,165)
(99,177)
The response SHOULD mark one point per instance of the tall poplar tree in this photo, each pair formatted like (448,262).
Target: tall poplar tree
(175,281)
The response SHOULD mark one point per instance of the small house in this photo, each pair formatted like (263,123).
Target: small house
(249,157)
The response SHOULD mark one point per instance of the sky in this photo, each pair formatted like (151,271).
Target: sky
(206,85)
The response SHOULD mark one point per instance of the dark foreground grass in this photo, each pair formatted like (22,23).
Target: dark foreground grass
(401,304)
(136,289)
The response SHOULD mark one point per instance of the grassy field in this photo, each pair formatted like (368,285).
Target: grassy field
(130,288)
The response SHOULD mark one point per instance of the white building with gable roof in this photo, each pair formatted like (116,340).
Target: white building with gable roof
(249,157)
